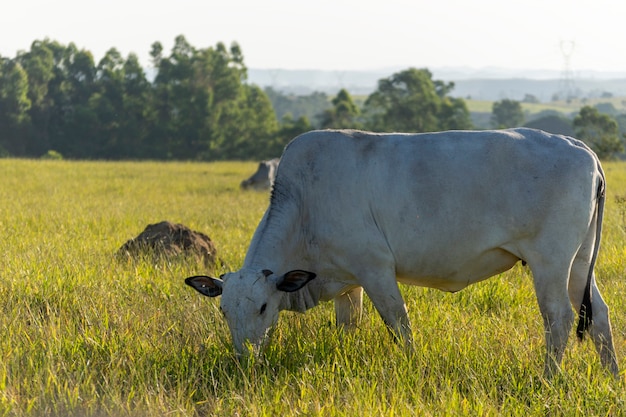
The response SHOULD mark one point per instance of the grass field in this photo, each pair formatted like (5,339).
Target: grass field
(82,334)
(565,107)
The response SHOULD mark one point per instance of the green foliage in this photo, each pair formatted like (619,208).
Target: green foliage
(297,107)
(553,123)
(293,127)
(607,108)
(344,113)
(51,154)
(84,335)
(289,129)
(198,107)
(507,113)
(531,98)
(600,131)
(205,111)
(14,105)
(411,101)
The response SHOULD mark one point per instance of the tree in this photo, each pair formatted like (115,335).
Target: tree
(39,65)
(251,130)
(343,114)
(138,111)
(204,110)
(289,129)
(79,117)
(599,131)
(296,106)
(552,122)
(412,101)
(50,118)
(14,106)
(507,113)
(107,102)
(530,98)
(181,110)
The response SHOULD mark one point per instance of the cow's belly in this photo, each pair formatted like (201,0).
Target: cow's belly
(452,275)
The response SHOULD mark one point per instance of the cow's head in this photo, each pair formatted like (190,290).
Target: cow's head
(251,301)
(261,179)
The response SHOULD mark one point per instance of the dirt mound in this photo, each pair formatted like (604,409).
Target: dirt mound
(169,240)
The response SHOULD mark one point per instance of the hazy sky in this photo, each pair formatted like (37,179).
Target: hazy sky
(338,34)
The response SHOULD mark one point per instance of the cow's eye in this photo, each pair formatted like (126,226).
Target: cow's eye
(263,307)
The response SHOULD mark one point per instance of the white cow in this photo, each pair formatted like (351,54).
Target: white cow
(353,210)
(264,176)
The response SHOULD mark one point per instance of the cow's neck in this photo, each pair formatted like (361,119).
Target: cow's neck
(278,243)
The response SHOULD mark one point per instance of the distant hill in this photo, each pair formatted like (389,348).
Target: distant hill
(480,84)
(544,90)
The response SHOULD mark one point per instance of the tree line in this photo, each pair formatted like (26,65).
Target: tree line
(198,106)
(54,99)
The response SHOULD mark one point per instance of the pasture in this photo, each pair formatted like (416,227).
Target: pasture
(565,107)
(83,334)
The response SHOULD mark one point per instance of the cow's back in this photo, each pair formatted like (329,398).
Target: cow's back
(368,165)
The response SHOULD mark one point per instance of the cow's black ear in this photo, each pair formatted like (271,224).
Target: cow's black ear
(294,280)
(211,287)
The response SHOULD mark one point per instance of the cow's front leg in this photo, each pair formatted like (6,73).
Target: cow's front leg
(386,297)
(348,308)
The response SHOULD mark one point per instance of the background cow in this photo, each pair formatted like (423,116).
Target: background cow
(264,176)
(354,210)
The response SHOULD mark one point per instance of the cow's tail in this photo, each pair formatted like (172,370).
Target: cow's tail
(585,315)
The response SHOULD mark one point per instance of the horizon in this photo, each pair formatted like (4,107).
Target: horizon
(491,84)
(469,72)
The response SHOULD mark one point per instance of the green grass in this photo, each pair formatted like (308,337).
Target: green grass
(82,334)
(565,107)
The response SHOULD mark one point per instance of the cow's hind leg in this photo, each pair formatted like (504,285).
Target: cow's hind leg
(600,329)
(348,308)
(550,281)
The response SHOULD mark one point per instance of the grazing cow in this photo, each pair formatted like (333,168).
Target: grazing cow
(353,210)
(264,176)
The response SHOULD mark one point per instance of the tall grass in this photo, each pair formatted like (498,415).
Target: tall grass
(83,334)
